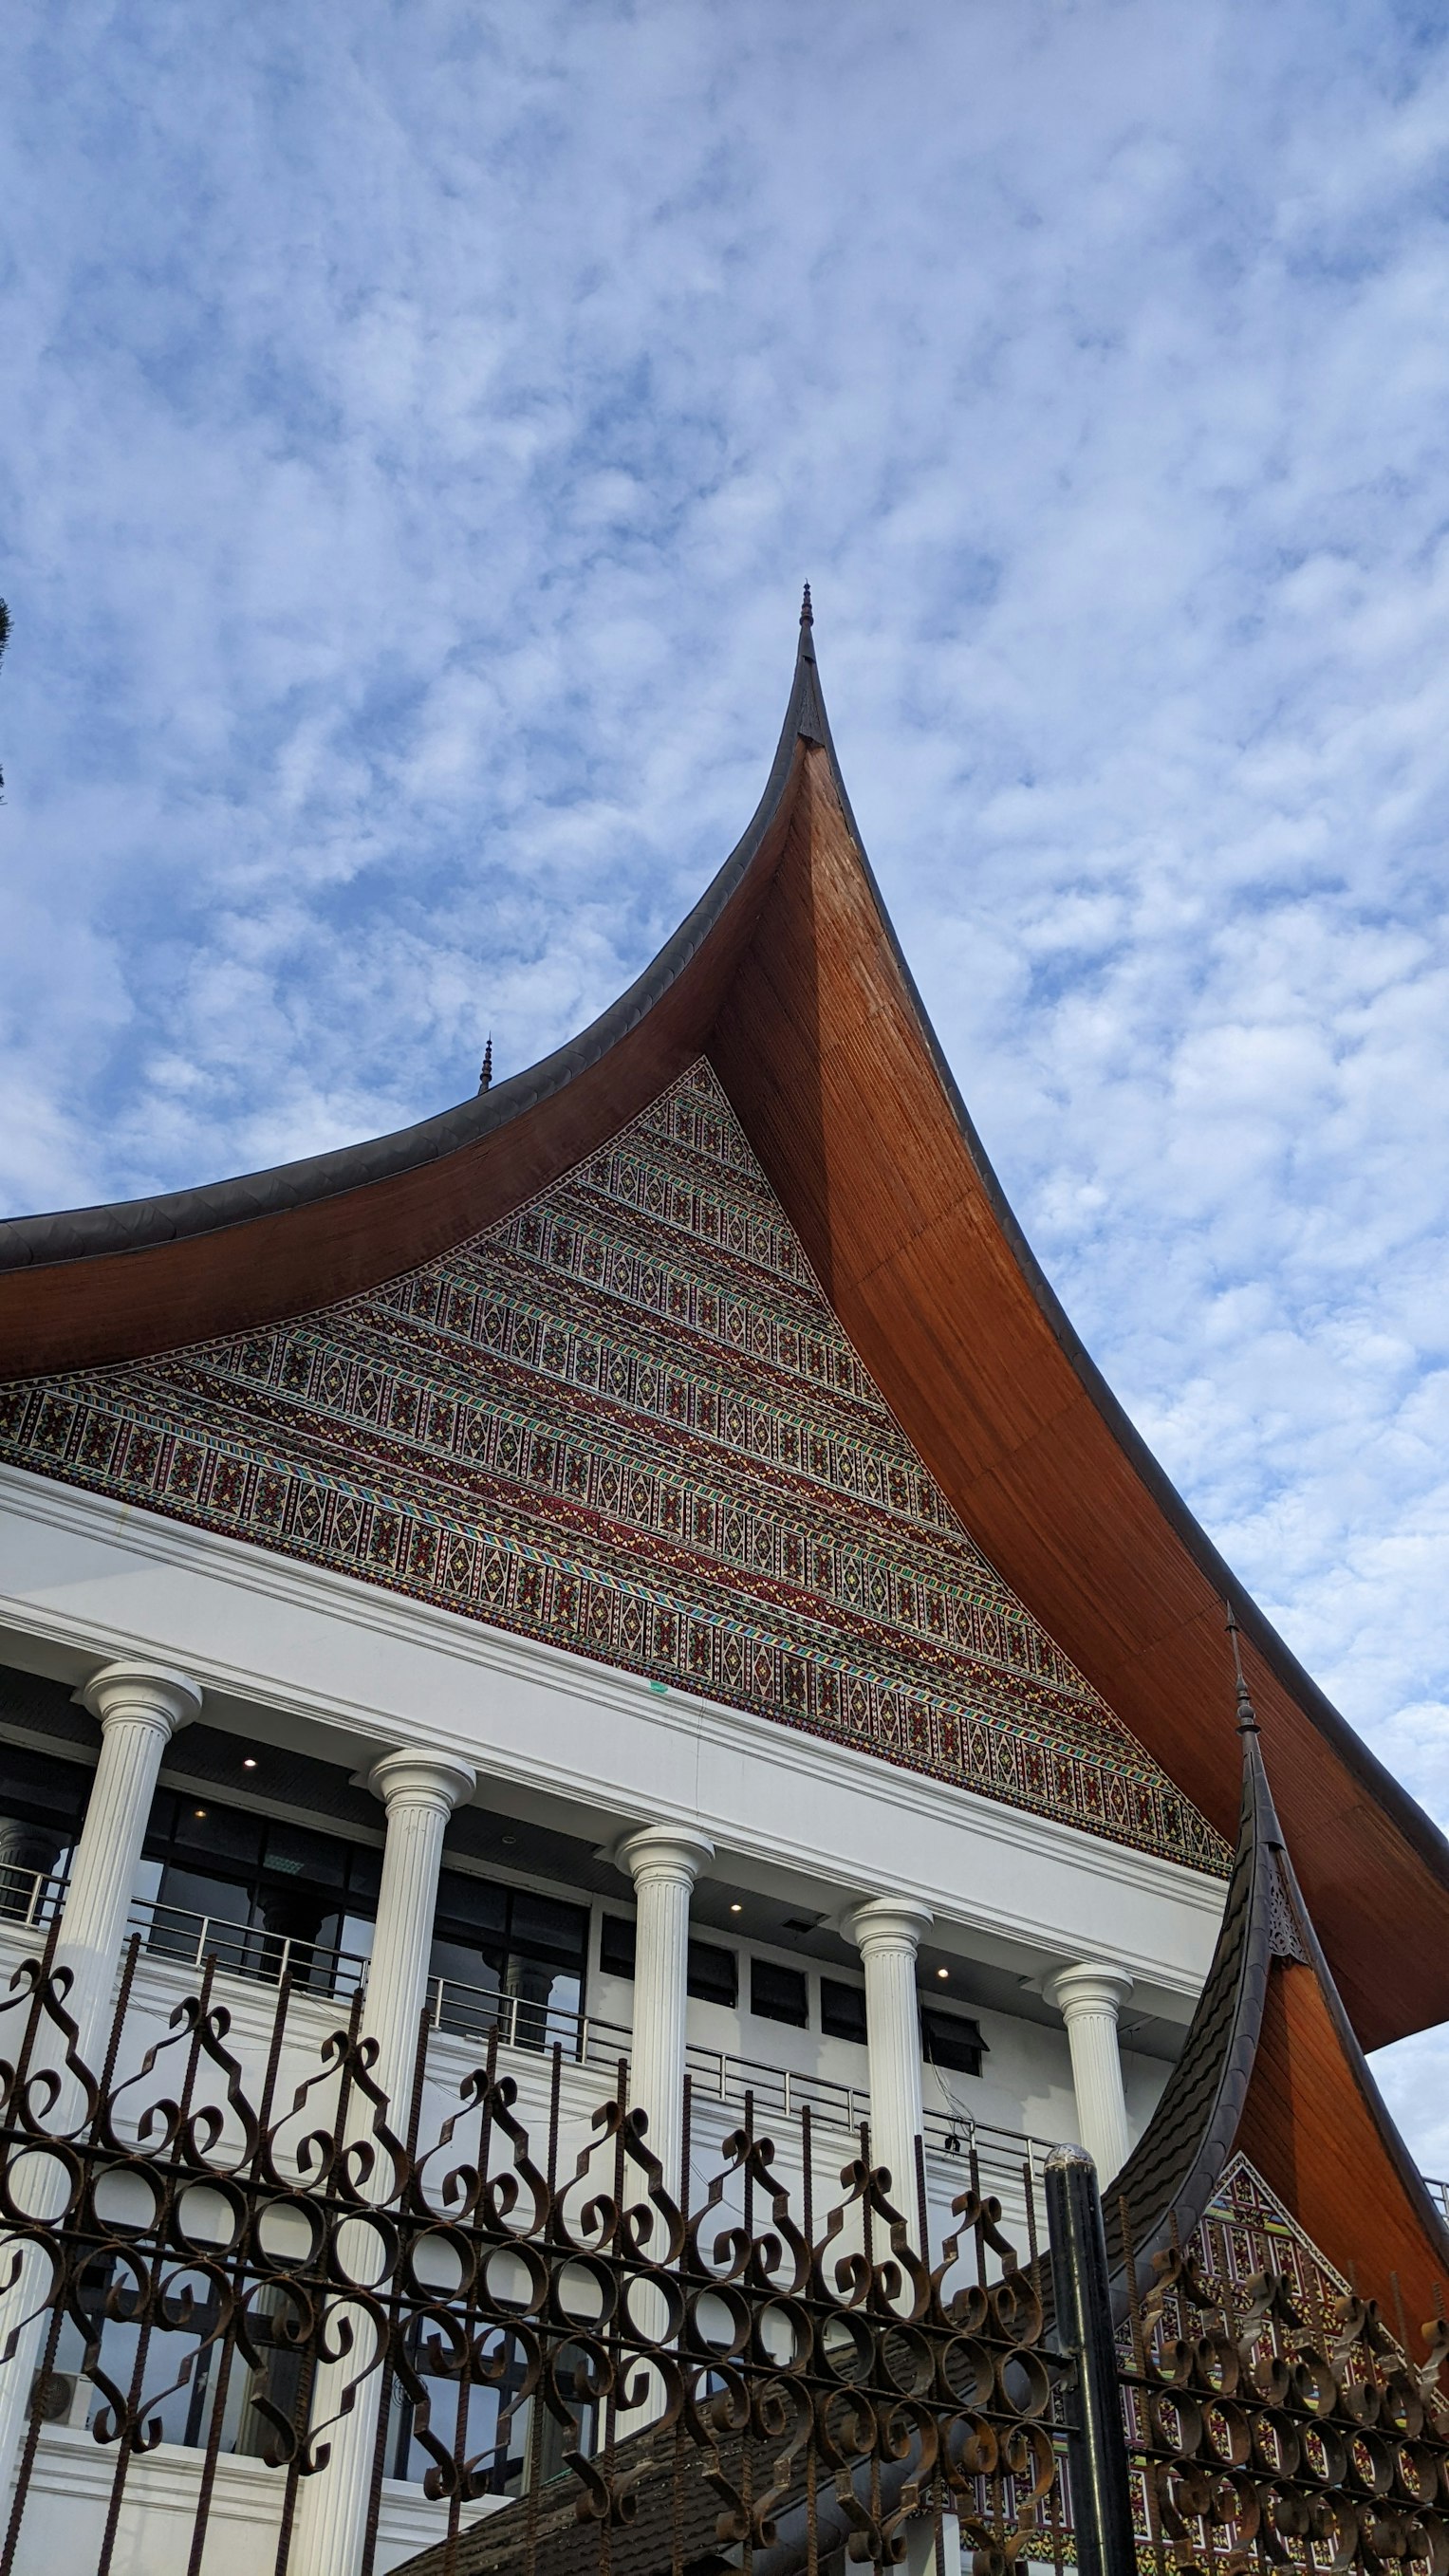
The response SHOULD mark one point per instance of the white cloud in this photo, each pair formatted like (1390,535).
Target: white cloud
(413,430)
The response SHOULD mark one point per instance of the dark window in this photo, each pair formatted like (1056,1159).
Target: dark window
(508,1958)
(273,1893)
(548,1929)
(294,1851)
(712,1975)
(42,1805)
(227,1840)
(950,2041)
(779,1994)
(842,2010)
(616,1945)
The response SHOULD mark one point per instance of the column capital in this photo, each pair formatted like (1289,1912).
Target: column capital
(412,1778)
(142,1693)
(1090,1986)
(673,1853)
(886,1923)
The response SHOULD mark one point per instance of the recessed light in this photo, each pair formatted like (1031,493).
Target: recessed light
(943,1972)
(509,1842)
(198,1811)
(737,1909)
(249,1762)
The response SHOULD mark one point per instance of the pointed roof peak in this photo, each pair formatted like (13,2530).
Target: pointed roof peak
(808,703)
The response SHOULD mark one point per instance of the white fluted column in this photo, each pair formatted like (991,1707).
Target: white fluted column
(140,1707)
(1089,1998)
(664,1861)
(419,1792)
(887,1931)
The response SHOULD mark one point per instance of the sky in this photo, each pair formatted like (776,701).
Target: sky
(416,423)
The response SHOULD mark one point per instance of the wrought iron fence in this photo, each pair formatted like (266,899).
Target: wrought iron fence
(185,1938)
(209,2253)
(1272,2415)
(768,2374)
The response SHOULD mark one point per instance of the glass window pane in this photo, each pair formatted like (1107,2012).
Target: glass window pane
(294,1851)
(842,2010)
(364,1877)
(712,1976)
(779,1994)
(470,1906)
(950,2041)
(38,1784)
(204,1832)
(467,1963)
(162,1821)
(545,1928)
(199,1893)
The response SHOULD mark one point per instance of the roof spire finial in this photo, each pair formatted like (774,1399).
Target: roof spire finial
(1247,1720)
(485,1078)
(807,613)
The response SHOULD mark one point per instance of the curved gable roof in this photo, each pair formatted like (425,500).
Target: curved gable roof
(788,976)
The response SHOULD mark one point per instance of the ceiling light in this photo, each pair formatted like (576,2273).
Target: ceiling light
(943,1972)
(737,1909)
(198,1811)
(249,1762)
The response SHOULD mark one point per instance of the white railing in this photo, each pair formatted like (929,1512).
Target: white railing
(779,2093)
(1439,2194)
(475,2012)
(29,1898)
(188,1940)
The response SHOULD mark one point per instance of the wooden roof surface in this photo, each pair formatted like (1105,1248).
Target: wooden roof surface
(789,977)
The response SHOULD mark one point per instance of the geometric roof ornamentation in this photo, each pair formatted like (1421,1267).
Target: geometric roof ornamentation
(626,1419)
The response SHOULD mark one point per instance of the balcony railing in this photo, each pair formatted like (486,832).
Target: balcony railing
(29,1898)
(187,1939)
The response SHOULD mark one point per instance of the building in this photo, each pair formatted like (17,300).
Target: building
(638,1571)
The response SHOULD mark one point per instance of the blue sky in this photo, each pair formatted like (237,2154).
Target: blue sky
(415,425)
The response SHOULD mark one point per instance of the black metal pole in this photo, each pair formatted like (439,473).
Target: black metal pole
(1096,2446)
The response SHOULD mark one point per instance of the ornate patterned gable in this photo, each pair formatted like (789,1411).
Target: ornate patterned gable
(627,1421)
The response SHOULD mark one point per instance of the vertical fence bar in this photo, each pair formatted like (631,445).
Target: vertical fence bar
(1096,2450)
(236,2273)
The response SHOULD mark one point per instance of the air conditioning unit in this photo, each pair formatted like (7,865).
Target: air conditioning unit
(52,2395)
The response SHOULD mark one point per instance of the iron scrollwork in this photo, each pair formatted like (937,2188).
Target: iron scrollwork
(523,2305)
(1272,2415)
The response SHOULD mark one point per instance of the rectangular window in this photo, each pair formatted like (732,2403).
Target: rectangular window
(616,1945)
(950,2041)
(470,1909)
(543,1927)
(510,1957)
(294,1851)
(42,1804)
(842,2010)
(779,1994)
(713,1975)
(43,1785)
